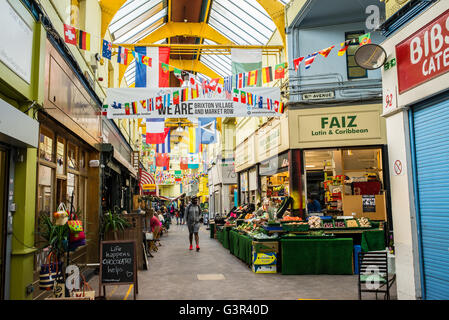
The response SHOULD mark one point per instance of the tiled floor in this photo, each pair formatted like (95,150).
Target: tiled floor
(175,271)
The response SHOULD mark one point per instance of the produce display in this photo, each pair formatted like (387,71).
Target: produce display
(288,218)
(328,225)
(249,216)
(364,223)
(340,224)
(352,223)
(314,222)
(298,223)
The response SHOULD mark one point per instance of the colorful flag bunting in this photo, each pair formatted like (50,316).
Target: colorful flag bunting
(365,39)
(344,47)
(134,106)
(70,34)
(243,97)
(178,75)
(281,107)
(241,80)
(83,40)
(144,104)
(267,74)
(249,98)
(107,49)
(309,60)
(297,62)
(269,104)
(158,102)
(146,61)
(127,109)
(122,56)
(253,77)
(280,71)
(326,52)
(185,94)
(176,97)
(236,95)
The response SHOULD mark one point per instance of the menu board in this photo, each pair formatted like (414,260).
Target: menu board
(118,262)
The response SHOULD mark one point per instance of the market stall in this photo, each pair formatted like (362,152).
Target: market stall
(270,240)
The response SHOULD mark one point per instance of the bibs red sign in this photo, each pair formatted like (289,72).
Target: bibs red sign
(424,55)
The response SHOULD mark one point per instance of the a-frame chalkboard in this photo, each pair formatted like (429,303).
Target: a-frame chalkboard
(118,264)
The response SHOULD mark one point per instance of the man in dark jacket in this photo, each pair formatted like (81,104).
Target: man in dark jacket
(192,217)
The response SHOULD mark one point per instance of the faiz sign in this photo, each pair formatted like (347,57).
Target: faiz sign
(424,55)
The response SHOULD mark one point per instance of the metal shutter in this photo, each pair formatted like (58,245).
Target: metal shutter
(431,138)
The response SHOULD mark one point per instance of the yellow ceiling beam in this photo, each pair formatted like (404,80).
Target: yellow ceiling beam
(186,29)
(108,10)
(276,11)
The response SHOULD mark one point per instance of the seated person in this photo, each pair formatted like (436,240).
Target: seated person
(313,205)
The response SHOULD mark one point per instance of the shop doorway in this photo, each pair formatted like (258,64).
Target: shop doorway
(3,215)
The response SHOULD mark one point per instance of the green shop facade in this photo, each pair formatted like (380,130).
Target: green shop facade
(21,94)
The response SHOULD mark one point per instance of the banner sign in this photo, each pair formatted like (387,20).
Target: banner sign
(128,103)
(424,55)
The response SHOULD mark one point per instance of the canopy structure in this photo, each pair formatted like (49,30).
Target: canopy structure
(199,32)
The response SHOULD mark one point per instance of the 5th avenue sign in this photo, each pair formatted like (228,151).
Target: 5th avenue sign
(424,55)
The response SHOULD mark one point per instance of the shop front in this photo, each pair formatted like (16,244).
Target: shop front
(343,156)
(416,95)
(68,158)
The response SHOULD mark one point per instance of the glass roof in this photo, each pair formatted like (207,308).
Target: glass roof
(136,19)
(221,64)
(244,22)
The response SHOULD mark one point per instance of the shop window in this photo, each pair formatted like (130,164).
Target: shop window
(46,145)
(60,156)
(354,71)
(45,190)
(72,157)
(83,160)
(72,187)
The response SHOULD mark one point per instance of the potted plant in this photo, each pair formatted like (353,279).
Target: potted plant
(55,236)
(113,221)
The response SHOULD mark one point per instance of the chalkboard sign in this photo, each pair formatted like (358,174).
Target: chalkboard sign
(118,263)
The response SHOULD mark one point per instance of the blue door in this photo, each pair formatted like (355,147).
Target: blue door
(430,135)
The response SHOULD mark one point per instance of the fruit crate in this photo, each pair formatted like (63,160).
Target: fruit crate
(295,227)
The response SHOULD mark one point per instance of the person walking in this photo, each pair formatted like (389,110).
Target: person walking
(181,212)
(192,217)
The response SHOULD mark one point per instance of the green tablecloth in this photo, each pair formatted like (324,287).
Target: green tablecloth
(212,230)
(219,235)
(226,231)
(373,240)
(240,246)
(317,256)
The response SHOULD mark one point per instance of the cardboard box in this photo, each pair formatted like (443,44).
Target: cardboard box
(264,268)
(269,258)
(353,206)
(265,247)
